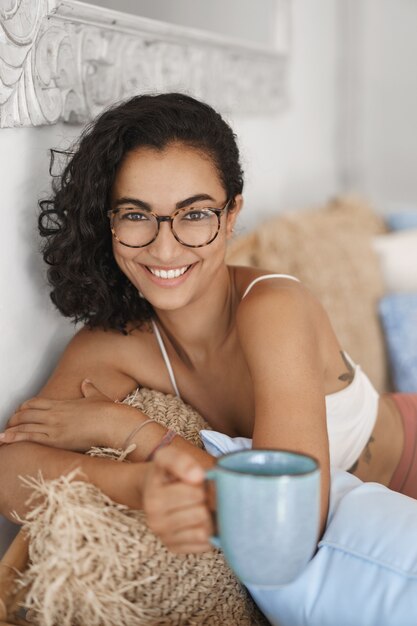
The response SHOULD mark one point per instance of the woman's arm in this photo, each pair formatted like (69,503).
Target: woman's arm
(122,482)
(73,414)
(70,412)
(73,419)
(279,331)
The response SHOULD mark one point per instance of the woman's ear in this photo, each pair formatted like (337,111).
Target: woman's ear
(232,214)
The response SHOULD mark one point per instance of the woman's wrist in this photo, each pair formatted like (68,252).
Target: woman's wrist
(128,427)
(144,440)
(121,419)
(122,482)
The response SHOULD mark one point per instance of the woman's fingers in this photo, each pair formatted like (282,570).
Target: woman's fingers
(197,535)
(190,548)
(24,433)
(175,502)
(172,497)
(89,390)
(36,403)
(197,516)
(184,533)
(178,520)
(180,465)
(190,540)
(28,416)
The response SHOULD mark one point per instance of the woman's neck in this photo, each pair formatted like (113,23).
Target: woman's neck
(198,330)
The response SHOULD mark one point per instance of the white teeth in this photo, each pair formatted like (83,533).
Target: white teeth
(169,273)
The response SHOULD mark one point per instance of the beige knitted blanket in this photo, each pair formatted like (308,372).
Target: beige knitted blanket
(95,563)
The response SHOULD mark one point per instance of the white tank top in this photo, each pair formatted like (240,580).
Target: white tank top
(351,412)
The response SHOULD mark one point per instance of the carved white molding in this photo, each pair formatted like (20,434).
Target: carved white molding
(65,60)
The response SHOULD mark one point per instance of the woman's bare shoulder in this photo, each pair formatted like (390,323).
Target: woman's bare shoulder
(106,340)
(287,310)
(279,300)
(282,296)
(101,343)
(260,280)
(105,356)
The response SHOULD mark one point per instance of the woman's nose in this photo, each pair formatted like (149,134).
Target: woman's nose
(165,246)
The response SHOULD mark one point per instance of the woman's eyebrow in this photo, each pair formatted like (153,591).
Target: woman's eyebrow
(147,207)
(139,203)
(197,198)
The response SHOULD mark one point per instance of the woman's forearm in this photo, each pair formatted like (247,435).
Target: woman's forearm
(148,438)
(122,482)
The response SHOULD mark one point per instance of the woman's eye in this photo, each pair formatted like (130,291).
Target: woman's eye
(134,216)
(197,215)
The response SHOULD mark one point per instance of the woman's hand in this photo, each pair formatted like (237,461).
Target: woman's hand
(175,502)
(70,424)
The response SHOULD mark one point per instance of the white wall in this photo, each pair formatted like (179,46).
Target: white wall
(32,330)
(290,162)
(32,333)
(383,59)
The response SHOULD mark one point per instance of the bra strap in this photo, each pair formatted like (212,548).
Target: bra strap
(165,357)
(264,277)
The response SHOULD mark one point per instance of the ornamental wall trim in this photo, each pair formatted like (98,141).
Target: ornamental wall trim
(65,60)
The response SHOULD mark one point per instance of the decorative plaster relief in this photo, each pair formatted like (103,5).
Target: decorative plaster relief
(61,59)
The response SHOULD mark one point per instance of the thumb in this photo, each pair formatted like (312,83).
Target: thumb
(179,465)
(89,390)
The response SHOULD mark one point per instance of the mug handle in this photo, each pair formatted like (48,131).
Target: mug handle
(211,474)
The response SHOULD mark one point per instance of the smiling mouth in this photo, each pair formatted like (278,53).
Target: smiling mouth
(169,273)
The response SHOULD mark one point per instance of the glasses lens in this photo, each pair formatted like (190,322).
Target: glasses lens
(134,227)
(195,227)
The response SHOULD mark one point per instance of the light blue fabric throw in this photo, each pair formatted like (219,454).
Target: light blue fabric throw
(365,570)
(398,313)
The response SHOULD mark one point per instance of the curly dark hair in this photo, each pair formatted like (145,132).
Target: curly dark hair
(87,284)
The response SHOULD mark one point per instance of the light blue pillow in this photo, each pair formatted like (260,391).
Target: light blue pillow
(398,314)
(402,220)
(365,570)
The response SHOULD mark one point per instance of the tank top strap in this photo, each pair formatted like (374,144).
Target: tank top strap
(165,357)
(264,277)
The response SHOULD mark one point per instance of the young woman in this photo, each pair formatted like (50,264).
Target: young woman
(136,234)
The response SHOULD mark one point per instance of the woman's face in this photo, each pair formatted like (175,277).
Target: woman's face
(163,181)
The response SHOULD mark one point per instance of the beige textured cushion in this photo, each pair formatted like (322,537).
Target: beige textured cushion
(329,250)
(96,563)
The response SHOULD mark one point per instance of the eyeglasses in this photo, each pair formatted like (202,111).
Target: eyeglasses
(192,227)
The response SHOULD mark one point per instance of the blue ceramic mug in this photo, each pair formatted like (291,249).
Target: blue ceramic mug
(268,513)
